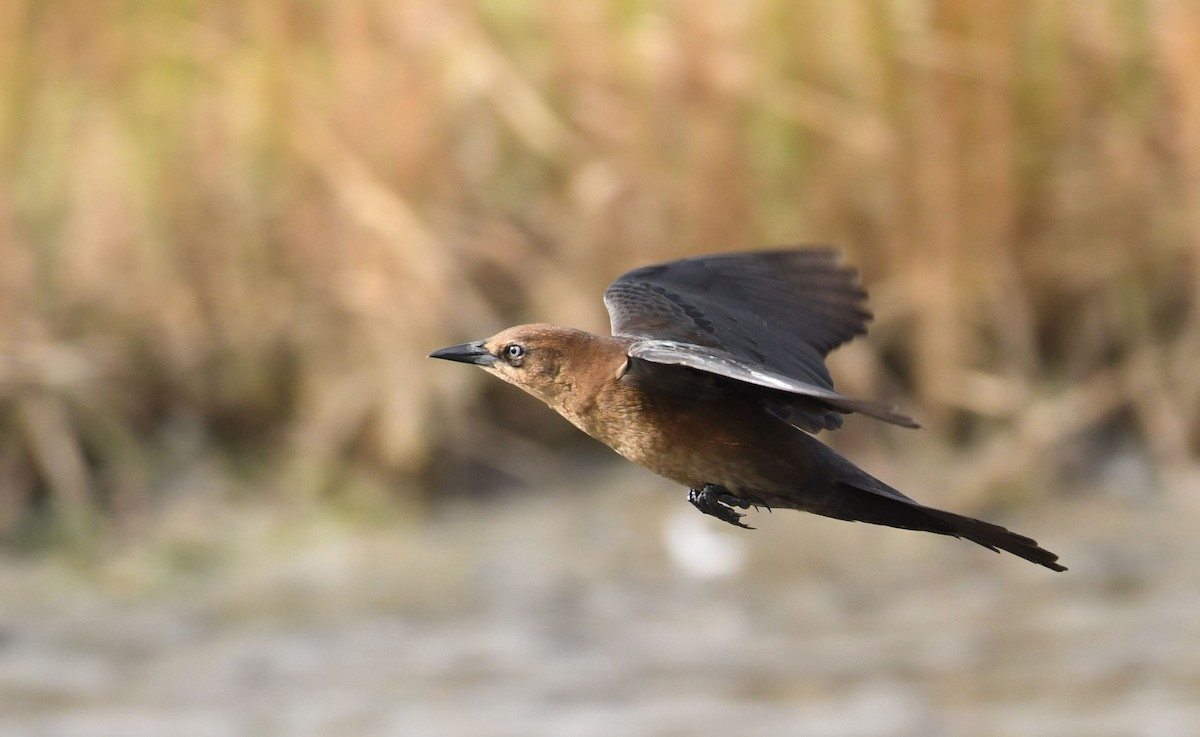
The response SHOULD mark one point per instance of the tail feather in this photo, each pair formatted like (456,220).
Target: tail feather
(900,511)
(994,537)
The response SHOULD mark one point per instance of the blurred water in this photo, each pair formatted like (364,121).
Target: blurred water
(565,613)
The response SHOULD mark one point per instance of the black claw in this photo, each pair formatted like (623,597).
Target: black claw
(715,500)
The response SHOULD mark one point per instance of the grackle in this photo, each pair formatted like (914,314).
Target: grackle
(714,376)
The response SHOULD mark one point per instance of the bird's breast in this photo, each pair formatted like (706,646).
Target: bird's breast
(691,441)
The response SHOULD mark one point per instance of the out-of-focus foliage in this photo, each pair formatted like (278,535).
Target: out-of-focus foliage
(230,231)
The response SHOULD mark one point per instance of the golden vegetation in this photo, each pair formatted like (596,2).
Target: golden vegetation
(233,230)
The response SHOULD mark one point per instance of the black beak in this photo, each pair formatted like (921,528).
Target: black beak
(466,353)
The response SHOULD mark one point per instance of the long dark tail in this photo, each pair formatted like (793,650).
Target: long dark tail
(992,536)
(861,505)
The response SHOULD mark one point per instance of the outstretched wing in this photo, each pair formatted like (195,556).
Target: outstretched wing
(765,318)
(784,310)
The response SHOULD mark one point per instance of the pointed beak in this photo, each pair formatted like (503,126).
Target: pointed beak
(466,353)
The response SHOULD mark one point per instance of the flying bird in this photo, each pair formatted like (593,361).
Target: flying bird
(714,377)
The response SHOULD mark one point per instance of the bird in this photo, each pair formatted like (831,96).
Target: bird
(714,377)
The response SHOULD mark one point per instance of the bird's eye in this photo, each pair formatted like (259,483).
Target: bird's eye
(514,352)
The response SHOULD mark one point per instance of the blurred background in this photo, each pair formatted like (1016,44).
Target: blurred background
(237,499)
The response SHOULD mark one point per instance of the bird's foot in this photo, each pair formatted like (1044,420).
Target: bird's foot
(719,502)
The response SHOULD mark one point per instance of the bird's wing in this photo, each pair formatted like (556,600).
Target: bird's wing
(782,310)
(766,318)
(796,401)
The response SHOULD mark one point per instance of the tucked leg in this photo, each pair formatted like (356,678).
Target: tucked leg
(716,500)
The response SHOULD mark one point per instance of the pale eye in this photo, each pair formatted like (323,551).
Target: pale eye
(514,352)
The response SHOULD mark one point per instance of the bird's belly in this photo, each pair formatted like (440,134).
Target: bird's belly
(693,449)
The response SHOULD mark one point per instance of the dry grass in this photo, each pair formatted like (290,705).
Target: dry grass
(232,230)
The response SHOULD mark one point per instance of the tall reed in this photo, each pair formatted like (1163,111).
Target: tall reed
(233,230)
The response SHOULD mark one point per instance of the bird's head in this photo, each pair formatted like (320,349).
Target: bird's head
(547,361)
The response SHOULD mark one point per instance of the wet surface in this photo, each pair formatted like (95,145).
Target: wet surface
(597,614)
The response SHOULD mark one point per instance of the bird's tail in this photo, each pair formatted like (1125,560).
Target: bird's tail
(993,536)
(872,507)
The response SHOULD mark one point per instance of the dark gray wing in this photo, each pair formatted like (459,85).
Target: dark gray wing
(783,310)
(785,389)
(767,318)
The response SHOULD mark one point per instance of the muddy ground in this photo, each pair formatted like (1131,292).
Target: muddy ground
(612,610)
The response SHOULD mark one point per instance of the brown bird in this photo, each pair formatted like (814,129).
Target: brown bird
(715,378)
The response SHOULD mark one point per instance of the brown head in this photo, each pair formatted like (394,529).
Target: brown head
(553,363)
